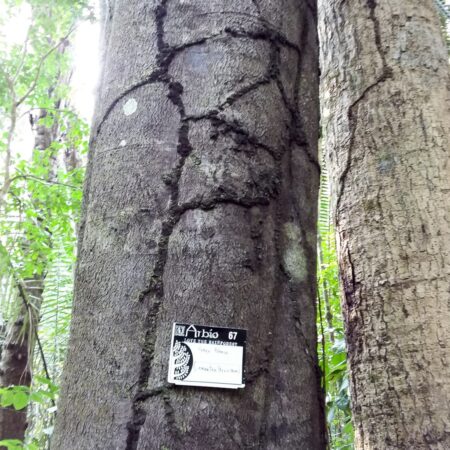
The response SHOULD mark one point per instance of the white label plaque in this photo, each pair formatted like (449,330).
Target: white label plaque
(207,356)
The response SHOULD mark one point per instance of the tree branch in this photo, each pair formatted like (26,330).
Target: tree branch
(41,62)
(43,180)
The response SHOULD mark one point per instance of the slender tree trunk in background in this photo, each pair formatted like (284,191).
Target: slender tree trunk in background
(15,363)
(200,206)
(385,81)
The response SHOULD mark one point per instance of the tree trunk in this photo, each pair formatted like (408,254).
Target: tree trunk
(15,368)
(385,81)
(200,206)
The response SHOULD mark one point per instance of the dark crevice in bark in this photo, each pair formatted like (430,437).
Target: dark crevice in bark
(270,75)
(301,335)
(154,292)
(353,321)
(208,204)
(350,285)
(155,287)
(240,135)
(167,53)
(109,9)
(312,6)
(297,136)
(311,249)
(297,128)
(352,115)
(258,8)
(265,34)
(252,376)
(145,395)
(269,349)
(138,417)
(170,419)
(351,295)
(372,4)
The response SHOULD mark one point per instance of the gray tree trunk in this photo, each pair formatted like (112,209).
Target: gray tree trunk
(385,79)
(200,206)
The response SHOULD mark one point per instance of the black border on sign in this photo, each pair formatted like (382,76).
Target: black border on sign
(244,346)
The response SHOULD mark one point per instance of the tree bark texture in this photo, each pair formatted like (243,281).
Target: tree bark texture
(385,80)
(200,206)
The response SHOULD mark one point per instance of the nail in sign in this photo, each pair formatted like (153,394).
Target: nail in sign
(207,356)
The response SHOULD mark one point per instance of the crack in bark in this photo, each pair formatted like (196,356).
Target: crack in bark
(208,204)
(175,211)
(154,77)
(155,288)
(270,75)
(155,284)
(241,136)
(170,418)
(297,127)
(167,54)
(281,275)
(252,376)
(349,286)
(258,8)
(372,4)
(265,34)
(386,73)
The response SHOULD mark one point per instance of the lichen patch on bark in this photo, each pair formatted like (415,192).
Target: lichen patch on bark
(294,256)
(130,106)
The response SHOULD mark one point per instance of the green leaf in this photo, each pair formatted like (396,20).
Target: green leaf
(12,444)
(7,398)
(20,400)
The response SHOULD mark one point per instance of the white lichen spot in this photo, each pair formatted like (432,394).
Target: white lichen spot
(123,142)
(130,107)
(294,258)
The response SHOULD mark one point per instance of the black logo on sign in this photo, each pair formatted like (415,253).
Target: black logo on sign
(182,360)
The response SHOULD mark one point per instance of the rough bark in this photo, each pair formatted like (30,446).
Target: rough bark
(385,80)
(200,206)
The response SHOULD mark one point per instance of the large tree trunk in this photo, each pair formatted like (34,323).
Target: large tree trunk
(200,206)
(387,121)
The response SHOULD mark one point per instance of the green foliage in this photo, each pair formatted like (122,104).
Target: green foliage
(15,444)
(11,444)
(444,18)
(331,345)
(332,350)
(19,397)
(40,195)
